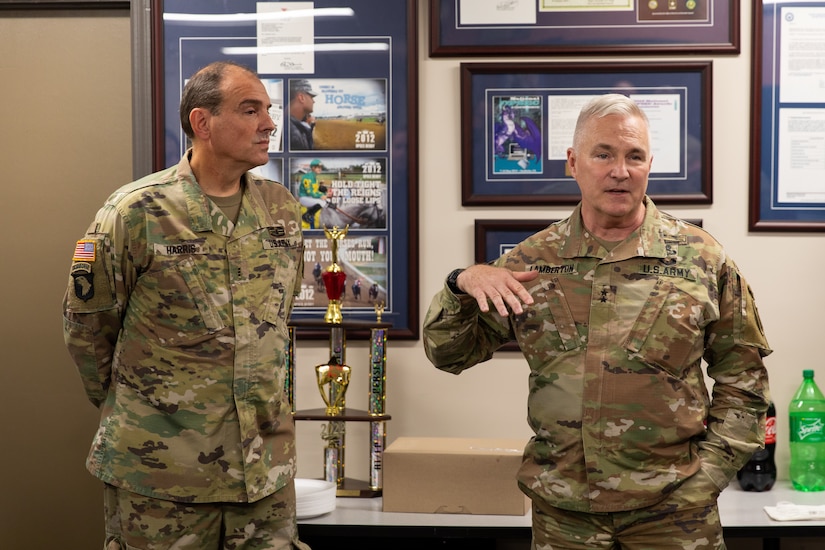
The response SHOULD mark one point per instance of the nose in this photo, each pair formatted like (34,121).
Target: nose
(269,125)
(619,170)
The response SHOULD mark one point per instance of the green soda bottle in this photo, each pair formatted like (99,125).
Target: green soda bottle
(807,432)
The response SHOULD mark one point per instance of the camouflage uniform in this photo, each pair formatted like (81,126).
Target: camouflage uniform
(177,321)
(614,342)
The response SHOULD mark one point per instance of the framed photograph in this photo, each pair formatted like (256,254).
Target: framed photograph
(342,79)
(517,121)
(788,118)
(574,27)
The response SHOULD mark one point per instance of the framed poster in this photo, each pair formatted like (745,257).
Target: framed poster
(342,79)
(517,121)
(788,117)
(573,27)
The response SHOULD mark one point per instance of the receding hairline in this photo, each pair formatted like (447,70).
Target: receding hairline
(607,105)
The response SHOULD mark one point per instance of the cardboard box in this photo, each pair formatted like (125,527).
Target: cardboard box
(453,476)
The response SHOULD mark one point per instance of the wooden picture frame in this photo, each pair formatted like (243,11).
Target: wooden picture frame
(524,162)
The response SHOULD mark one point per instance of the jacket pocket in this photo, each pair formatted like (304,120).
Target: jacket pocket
(548,324)
(669,330)
(177,300)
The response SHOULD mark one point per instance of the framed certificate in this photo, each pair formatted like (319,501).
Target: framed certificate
(787,192)
(573,27)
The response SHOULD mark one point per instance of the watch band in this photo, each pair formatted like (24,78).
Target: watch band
(452,281)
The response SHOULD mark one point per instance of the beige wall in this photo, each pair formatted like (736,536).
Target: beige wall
(65,109)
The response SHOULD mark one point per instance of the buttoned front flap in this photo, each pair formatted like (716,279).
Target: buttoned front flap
(549,324)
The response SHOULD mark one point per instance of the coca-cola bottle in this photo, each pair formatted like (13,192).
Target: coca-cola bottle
(759,474)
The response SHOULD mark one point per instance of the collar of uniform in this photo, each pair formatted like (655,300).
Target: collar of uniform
(197,203)
(258,215)
(646,241)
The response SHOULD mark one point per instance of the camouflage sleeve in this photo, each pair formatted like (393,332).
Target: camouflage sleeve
(101,272)
(736,344)
(457,335)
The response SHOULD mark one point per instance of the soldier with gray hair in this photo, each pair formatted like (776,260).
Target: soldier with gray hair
(614,309)
(176,317)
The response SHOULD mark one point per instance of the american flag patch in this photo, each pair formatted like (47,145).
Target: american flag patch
(84,251)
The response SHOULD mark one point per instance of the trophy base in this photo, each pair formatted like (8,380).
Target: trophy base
(356,488)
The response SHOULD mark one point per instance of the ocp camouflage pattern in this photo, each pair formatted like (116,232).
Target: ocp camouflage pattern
(614,342)
(177,321)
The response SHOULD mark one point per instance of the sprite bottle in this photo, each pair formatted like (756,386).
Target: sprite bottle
(807,434)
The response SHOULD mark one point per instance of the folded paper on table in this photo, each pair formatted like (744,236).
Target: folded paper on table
(788,511)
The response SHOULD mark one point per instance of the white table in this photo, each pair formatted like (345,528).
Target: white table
(742,514)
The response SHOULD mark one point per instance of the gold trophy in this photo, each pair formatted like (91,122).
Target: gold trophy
(333,380)
(334,277)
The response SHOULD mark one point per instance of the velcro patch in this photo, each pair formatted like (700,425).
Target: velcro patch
(85,251)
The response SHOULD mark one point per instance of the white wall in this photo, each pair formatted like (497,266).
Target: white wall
(784,270)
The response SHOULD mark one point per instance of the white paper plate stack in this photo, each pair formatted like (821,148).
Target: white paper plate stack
(314,497)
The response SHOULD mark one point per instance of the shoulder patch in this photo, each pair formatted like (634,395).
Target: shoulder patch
(85,251)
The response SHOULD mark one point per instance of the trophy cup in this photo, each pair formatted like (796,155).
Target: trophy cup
(333,380)
(334,277)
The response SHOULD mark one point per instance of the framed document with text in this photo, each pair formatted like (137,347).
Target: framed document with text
(787,179)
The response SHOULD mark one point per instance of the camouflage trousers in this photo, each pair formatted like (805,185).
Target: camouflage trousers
(687,519)
(137,522)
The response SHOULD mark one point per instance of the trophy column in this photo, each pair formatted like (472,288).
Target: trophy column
(335,431)
(333,379)
(377,399)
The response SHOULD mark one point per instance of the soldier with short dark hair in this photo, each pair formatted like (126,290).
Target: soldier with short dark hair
(615,308)
(176,316)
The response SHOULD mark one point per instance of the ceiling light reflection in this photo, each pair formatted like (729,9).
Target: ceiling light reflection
(340,47)
(222,18)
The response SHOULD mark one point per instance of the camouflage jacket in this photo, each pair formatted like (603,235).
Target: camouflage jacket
(614,342)
(177,321)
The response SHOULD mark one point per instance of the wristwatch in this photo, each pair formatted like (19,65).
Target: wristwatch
(452,281)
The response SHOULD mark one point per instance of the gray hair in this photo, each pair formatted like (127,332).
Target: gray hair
(606,105)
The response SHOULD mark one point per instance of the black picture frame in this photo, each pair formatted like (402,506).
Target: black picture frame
(785,147)
(498,169)
(525,27)
(375,48)
(494,237)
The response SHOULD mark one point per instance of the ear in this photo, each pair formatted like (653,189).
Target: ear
(200,119)
(571,161)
